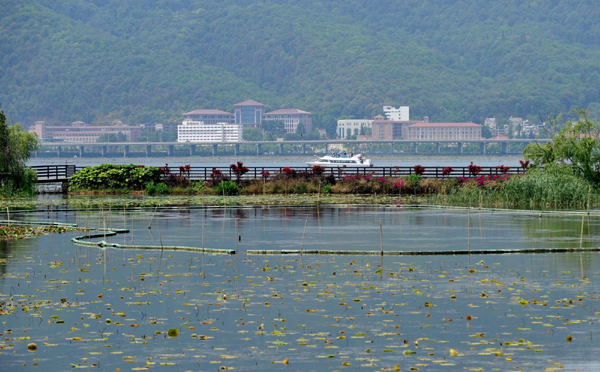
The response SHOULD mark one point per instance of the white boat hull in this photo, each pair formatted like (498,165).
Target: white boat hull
(338,165)
(341,161)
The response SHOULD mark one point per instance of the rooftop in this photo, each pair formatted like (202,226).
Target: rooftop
(433,125)
(207,112)
(287,112)
(249,103)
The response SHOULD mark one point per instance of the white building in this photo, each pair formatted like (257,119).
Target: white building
(197,131)
(397,114)
(352,127)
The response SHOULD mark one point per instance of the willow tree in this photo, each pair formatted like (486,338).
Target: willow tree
(15,149)
(576,148)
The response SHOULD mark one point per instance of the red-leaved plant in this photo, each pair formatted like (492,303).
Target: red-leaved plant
(446,171)
(502,168)
(318,170)
(419,170)
(239,170)
(474,169)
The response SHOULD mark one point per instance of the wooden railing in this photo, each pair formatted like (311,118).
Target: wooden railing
(54,173)
(203,173)
(61,173)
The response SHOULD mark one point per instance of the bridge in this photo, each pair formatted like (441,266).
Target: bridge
(258,148)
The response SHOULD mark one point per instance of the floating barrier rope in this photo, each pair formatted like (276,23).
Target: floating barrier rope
(81,240)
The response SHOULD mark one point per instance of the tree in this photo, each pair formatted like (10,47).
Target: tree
(15,149)
(274,127)
(486,132)
(253,134)
(575,147)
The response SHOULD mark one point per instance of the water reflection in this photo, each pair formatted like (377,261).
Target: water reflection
(317,312)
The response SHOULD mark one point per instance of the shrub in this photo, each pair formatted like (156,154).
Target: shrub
(412,181)
(216,177)
(446,171)
(474,170)
(239,170)
(327,189)
(301,188)
(228,188)
(318,170)
(419,170)
(503,169)
(111,176)
(174,180)
(160,189)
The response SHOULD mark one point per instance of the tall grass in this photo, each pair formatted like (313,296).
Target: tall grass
(551,189)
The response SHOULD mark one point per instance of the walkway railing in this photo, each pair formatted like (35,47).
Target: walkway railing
(54,173)
(203,173)
(62,173)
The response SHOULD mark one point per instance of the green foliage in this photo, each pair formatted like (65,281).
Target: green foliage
(160,189)
(110,176)
(111,137)
(253,134)
(327,189)
(412,181)
(15,149)
(121,64)
(274,127)
(228,188)
(301,188)
(576,147)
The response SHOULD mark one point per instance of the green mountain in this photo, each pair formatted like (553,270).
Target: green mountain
(150,61)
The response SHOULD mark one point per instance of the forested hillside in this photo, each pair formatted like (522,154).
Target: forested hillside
(150,61)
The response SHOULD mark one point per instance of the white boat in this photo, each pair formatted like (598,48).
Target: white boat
(341,161)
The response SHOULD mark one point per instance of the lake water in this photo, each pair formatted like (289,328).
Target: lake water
(88,307)
(289,161)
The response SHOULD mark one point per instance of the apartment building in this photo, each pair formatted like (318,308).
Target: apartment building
(198,131)
(82,132)
(443,131)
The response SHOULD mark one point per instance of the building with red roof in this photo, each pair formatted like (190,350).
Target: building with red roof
(249,113)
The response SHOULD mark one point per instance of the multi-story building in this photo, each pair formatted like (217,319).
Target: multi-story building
(81,132)
(391,129)
(291,119)
(443,131)
(209,116)
(198,131)
(352,127)
(249,113)
(397,114)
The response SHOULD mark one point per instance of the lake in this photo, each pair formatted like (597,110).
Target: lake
(134,309)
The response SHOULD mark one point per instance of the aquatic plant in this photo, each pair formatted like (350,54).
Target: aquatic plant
(228,188)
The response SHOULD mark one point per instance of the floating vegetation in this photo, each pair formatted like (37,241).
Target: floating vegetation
(140,309)
(10,232)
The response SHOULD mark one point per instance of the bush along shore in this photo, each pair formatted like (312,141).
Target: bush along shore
(551,188)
